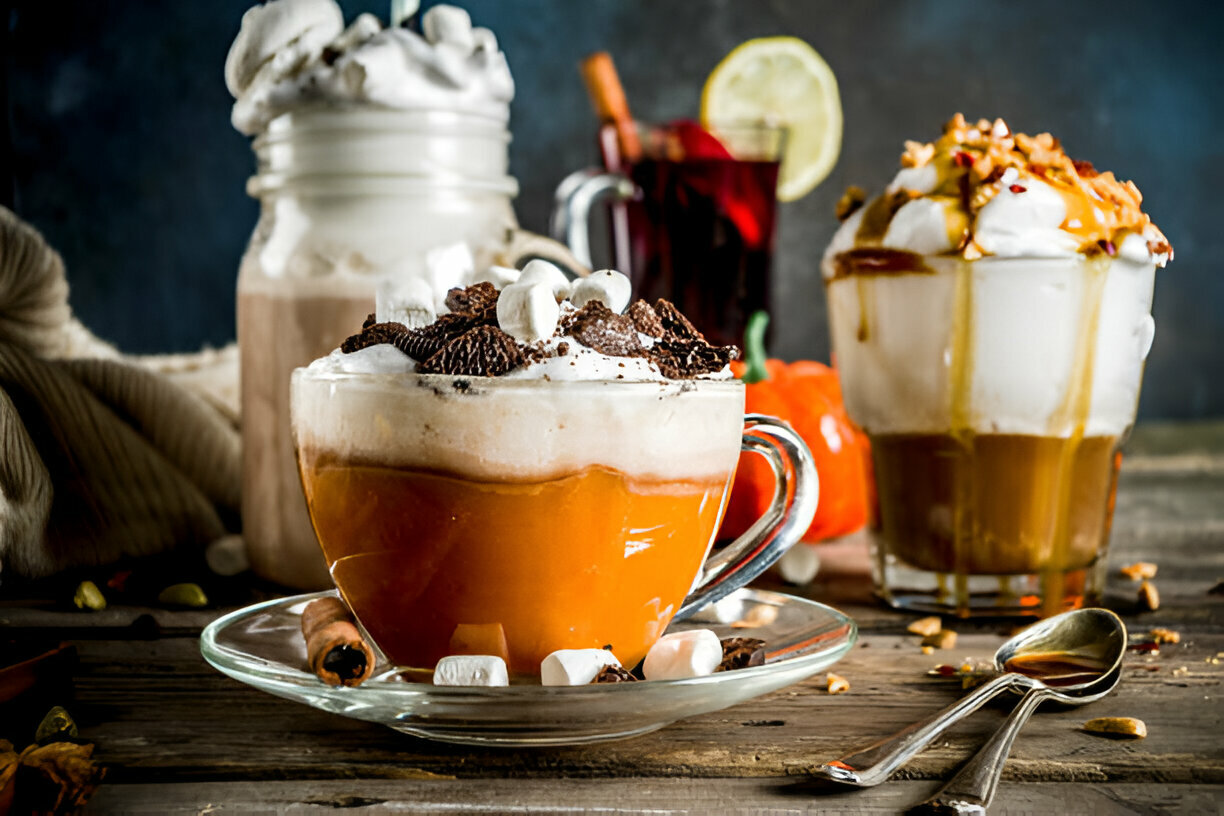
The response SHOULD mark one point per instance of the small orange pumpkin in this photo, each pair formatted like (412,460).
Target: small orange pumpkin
(807,394)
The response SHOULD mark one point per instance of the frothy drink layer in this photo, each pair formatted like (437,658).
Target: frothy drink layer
(1004,346)
(516,431)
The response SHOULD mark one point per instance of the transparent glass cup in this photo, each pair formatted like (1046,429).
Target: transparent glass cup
(692,217)
(516,517)
(996,394)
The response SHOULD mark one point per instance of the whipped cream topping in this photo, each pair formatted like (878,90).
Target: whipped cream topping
(291,54)
(536,307)
(980,190)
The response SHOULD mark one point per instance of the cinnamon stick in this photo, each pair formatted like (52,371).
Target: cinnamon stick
(608,97)
(334,647)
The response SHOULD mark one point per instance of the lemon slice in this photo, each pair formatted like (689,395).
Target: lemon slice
(781,80)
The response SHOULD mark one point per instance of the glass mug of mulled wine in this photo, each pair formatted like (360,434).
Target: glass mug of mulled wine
(692,212)
(476,515)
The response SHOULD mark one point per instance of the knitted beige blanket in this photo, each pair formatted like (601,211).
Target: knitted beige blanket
(102,455)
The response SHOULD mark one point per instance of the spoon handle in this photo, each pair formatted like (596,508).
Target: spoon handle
(971,790)
(875,763)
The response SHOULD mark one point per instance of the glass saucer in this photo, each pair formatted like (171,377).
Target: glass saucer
(262,645)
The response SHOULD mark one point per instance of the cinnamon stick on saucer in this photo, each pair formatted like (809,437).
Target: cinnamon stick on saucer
(334,646)
(608,97)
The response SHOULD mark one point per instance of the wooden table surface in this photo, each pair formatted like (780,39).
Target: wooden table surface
(178,737)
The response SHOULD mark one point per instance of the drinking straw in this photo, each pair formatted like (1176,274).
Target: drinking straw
(608,98)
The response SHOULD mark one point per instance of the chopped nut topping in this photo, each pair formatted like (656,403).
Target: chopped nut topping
(1149,598)
(974,161)
(1140,570)
(851,200)
(836,684)
(926,626)
(1127,727)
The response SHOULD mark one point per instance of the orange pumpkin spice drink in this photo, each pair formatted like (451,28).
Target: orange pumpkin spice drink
(568,502)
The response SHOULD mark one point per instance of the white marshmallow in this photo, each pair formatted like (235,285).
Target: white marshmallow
(540,270)
(694,653)
(799,564)
(471,670)
(449,24)
(528,311)
(499,276)
(729,610)
(447,267)
(271,28)
(404,300)
(606,285)
(227,555)
(575,667)
(401,10)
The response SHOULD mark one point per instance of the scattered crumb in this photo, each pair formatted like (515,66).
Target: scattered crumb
(836,684)
(925,626)
(1149,598)
(1162,635)
(1140,570)
(943,639)
(1181,671)
(1122,727)
(926,650)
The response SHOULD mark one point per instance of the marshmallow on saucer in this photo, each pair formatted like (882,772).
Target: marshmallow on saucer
(575,667)
(471,670)
(694,653)
(606,285)
(543,271)
(528,311)
(799,564)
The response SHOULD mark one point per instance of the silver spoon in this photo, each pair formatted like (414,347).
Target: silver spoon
(970,791)
(1074,651)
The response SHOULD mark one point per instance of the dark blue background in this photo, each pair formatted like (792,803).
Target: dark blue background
(124,156)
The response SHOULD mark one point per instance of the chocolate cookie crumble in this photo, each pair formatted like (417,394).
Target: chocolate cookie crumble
(484,351)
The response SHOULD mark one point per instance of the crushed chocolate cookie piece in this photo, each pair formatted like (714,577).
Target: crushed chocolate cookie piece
(741,653)
(598,327)
(675,323)
(685,359)
(370,320)
(646,319)
(372,335)
(562,349)
(485,351)
(478,299)
(614,674)
(423,343)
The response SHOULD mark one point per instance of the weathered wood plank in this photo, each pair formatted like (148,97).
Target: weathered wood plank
(659,796)
(157,711)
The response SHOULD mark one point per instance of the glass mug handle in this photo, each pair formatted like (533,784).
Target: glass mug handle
(774,533)
(572,203)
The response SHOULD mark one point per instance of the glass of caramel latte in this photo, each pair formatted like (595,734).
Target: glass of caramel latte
(990,313)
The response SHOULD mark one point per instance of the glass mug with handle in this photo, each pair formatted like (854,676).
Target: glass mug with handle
(692,218)
(470,515)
